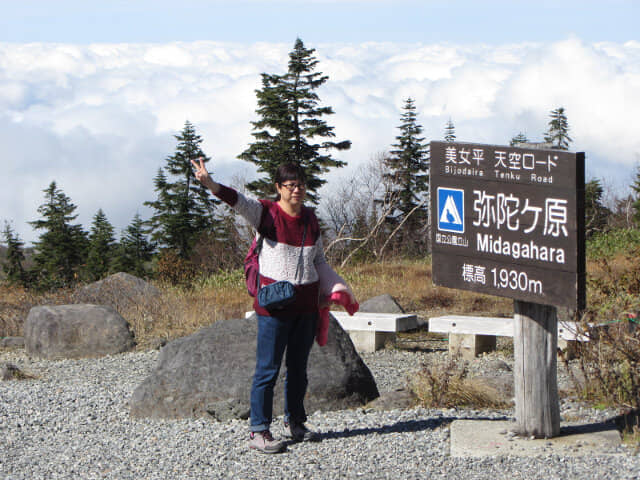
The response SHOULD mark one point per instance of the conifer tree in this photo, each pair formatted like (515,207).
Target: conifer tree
(291,126)
(450,132)
(408,167)
(184,208)
(61,247)
(134,250)
(102,246)
(558,133)
(520,138)
(596,214)
(636,201)
(12,266)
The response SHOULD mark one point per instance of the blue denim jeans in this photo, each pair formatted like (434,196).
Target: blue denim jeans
(275,335)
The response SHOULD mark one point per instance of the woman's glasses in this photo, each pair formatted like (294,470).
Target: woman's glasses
(292,186)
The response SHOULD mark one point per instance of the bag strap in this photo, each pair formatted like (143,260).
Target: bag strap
(305,219)
(304,236)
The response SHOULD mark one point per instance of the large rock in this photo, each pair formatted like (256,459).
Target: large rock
(120,291)
(76,331)
(381,304)
(210,373)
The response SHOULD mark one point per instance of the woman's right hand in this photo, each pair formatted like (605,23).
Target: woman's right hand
(202,175)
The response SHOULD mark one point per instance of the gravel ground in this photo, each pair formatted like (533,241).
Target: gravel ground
(72,422)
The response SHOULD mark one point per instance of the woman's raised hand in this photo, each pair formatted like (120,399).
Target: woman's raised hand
(200,170)
(202,175)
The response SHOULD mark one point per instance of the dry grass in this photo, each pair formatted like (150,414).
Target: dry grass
(446,385)
(410,282)
(15,303)
(176,312)
(179,311)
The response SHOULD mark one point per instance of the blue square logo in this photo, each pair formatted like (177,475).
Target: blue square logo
(451,210)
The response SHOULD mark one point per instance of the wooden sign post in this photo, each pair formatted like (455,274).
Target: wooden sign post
(509,221)
(535,343)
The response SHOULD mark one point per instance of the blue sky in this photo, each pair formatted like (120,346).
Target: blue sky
(459,21)
(93,92)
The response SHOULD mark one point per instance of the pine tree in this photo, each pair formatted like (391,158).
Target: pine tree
(636,201)
(61,247)
(102,246)
(558,133)
(12,266)
(408,175)
(184,208)
(134,250)
(595,213)
(518,139)
(449,132)
(291,127)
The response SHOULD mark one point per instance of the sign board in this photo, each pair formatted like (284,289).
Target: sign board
(509,221)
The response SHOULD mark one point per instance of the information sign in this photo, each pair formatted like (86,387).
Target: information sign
(509,221)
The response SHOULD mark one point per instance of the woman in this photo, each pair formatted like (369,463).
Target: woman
(291,250)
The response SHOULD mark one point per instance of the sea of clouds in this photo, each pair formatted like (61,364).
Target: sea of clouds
(100,119)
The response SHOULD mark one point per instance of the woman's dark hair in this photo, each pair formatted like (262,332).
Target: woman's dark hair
(290,171)
(287,172)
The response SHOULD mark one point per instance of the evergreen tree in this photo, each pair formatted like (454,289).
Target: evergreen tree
(449,132)
(558,133)
(61,247)
(291,125)
(12,266)
(184,208)
(101,247)
(134,250)
(636,201)
(520,138)
(596,214)
(408,175)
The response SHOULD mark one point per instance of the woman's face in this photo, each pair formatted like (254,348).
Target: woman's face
(292,192)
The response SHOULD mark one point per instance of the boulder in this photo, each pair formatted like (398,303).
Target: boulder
(381,304)
(120,291)
(76,331)
(210,372)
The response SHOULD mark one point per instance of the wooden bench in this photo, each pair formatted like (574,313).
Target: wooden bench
(474,335)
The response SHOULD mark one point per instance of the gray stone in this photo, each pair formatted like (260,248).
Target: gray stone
(381,304)
(227,410)
(120,291)
(502,384)
(210,373)
(398,399)
(76,331)
(9,371)
(12,342)
(156,343)
(497,365)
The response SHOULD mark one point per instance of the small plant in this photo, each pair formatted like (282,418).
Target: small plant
(9,371)
(446,385)
(609,364)
(173,269)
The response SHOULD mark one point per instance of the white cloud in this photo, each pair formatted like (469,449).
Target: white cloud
(100,119)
